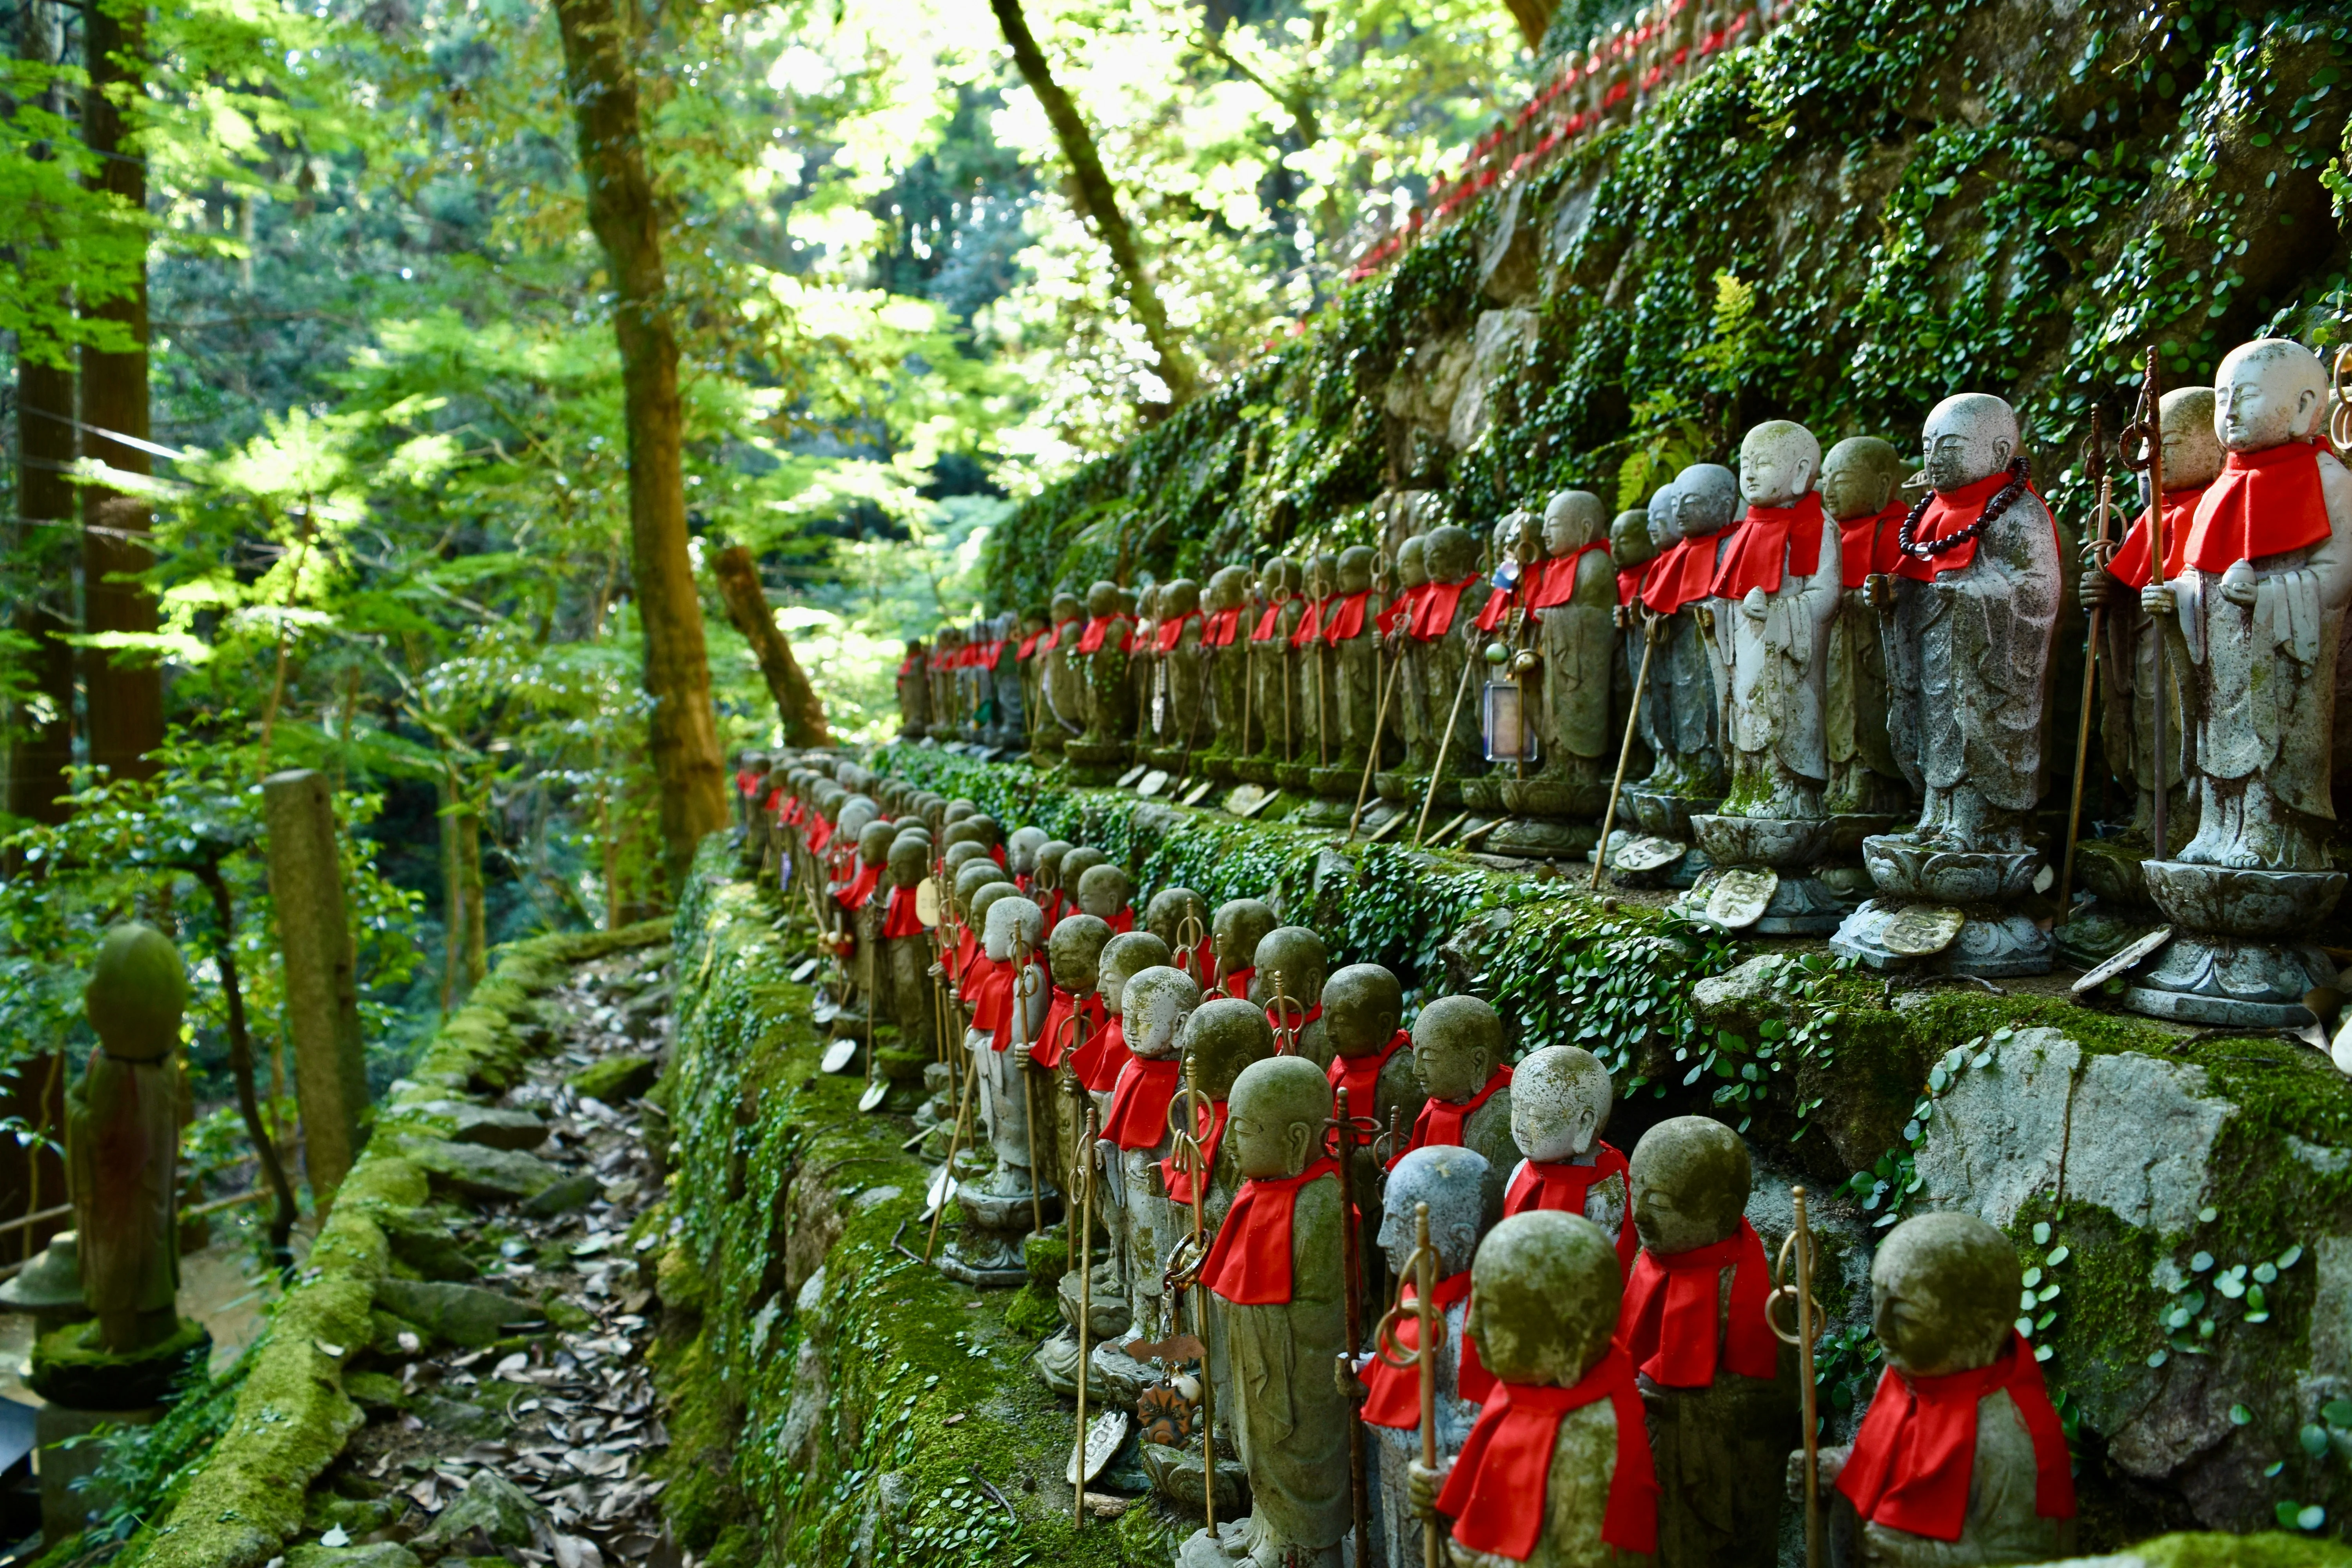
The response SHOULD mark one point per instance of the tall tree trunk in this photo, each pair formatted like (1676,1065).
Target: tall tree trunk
(1101,199)
(1534,18)
(125,691)
(684,735)
(42,748)
(746,606)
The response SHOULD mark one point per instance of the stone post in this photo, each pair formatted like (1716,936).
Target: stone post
(322,1004)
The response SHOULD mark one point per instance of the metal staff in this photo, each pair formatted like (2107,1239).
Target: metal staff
(947,1170)
(1086,1239)
(1625,747)
(1189,936)
(2147,428)
(1184,1269)
(2093,557)
(1446,741)
(1315,649)
(1024,986)
(1799,1288)
(1279,1011)
(1346,1127)
(1373,758)
(1422,1269)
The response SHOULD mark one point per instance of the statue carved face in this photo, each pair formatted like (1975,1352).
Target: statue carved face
(1009,918)
(1629,541)
(2266,393)
(2193,447)
(1020,850)
(1457,1044)
(1571,520)
(1969,437)
(1452,1181)
(1707,497)
(1412,562)
(910,861)
(1074,950)
(1225,1037)
(1778,462)
(1691,1182)
(1859,476)
(1159,1000)
(1361,1004)
(1356,568)
(874,843)
(1450,553)
(1102,600)
(1179,596)
(1236,929)
(1124,956)
(1665,528)
(1276,1127)
(1228,588)
(1296,954)
(1561,1098)
(1103,890)
(1943,1291)
(1280,578)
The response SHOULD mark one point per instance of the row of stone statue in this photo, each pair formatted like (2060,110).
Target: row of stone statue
(1804,692)
(1607,1382)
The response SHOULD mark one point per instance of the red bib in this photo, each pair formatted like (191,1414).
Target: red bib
(1668,1322)
(1498,1492)
(1195,960)
(1171,632)
(2131,559)
(1177,1176)
(1269,624)
(1138,1118)
(1052,1037)
(987,986)
(898,916)
(1498,604)
(2265,503)
(1561,1188)
(1764,541)
(1123,921)
(1361,1075)
(1682,571)
(1100,1062)
(1236,983)
(1555,582)
(1249,1264)
(1440,1122)
(1098,630)
(1346,618)
(1278,1025)
(1433,616)
(1629,585)
(1917,1452)
(1310,625)
(1867,544)
(1949,514)
(1217,629)
(1395,1401)
(1400,609)
(855,892)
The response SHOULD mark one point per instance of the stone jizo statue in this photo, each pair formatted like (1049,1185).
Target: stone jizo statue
(1297,955)
(1681,713)
(1134,1119)
(1225,635)
(1458,1057)
(1104,892)
(1561,1100)
(1861,491)
(1234,931)
(1165,917)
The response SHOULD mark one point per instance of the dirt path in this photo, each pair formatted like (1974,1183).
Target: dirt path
(510,1411)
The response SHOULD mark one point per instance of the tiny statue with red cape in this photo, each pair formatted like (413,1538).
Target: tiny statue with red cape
(1299,956)
(1861,492)
(1457,1056)
(1560,1101)
(1135,1135)
(1234,931)
(1719,1387)
(1008,1000)
(1962,1458)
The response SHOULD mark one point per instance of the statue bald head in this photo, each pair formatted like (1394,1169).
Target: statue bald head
(1356,565)
(1457,1044)
(1778,461)
(1859,476)
(1228,588)
(1075,952)
(873,842)
(137,991)
(1629,541)
(1361,1004)
(1103,890)
(974,874)
(1296,954)
(1158,1000)
(1452,1181)
(1164,917)
(1943,1294)
(1236,929)
(1179,596)
(1561,1098)
(1077,862)
(1280,577)
(1969,436)
(1102,599)
(1664,523)
(910,860)
(1066,607)
(1223,1036)
(1049,862)
(1544,1293)
(1572,519)
(1451,554)
(2268,393)
(1020,850)
(2193,441)
(959,808)
(1691,1180)
(1009,918)
(1124,956)
(1279,1108)
(1412,562)
(1707,497)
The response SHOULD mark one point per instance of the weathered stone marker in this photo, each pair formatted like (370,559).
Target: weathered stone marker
(322,997)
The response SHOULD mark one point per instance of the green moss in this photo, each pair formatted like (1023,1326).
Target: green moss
(2270,1550)
(616,1079)
(1031,1314)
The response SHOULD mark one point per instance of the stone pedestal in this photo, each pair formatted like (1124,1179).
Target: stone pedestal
(2118,911)
(2233,960)
(1802,903)
(1056,1361)
(997,1218)
(1973,893)
(1095,762)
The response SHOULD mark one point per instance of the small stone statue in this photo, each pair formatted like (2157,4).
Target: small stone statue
(1682,712)
(1135,1135)
(1721,1395)
(1180,702)
(1297,957)
(1224,639)
(1274,1271)
(1021,857)
(1457,1056)
(1073,1031)
(1103,648)
(1554,1473)
(1573,598)
(2253,620)
(1443,627)
(1974,605)
(1452,1182)
(1409,704)
(947,697)
(1861,491)
(1631,549)
(1165,917)
(1372,1058)
(1962,1458)
(914,692)
(998,1209)
(1234,931)
(1561,1100)
(1046,885)
(1061,676)
(1076,863)
(1352,635)
(907,943)
(1277,718)
(1311,695)
(1103,892)
(122,1140)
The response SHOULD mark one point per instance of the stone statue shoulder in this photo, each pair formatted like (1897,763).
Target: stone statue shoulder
(1576,1500)
(2002,1525)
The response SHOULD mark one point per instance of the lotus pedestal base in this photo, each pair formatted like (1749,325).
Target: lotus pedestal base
(2233,960)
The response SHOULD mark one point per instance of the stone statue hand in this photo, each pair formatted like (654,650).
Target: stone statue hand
(1878,591)
(2093,589)
(2238,584)
(1623,616)
(1343,1372)
(1833,1463)
(1020,1056)
(1752,606)
(2157,599)
(1422,1484)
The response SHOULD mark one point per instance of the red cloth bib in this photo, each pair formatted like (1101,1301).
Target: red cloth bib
(1310,625)
(1307,1017)
(1171,631)
(1629,585)
(1400,609)
(2131,559)
(1269,623)
(1138,1118)
(1217,630)
(1395,1401)
(1949,514)
(1917,1452)
(1866,544)
(1101,1059)
(1562,1187)
(1249,1264)
(1440,1122)
(987,987)
(2265,503)
(1000,1036)
(1098,630)
(1498,1492)
(747,781)
(1177,1177)
(1123,921)
(898,916)
(1346,617)
(1236,982)
(1668,1322)
(1051,1038)
(1556,585)
(1682,571)
(1028,646)
(1361,1075)
(1195,960)
(855,892)
(1433,616)
(820,834)
(1498,604)
(1764,541)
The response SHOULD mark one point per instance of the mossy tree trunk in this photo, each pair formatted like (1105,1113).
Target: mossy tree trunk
(747,605)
